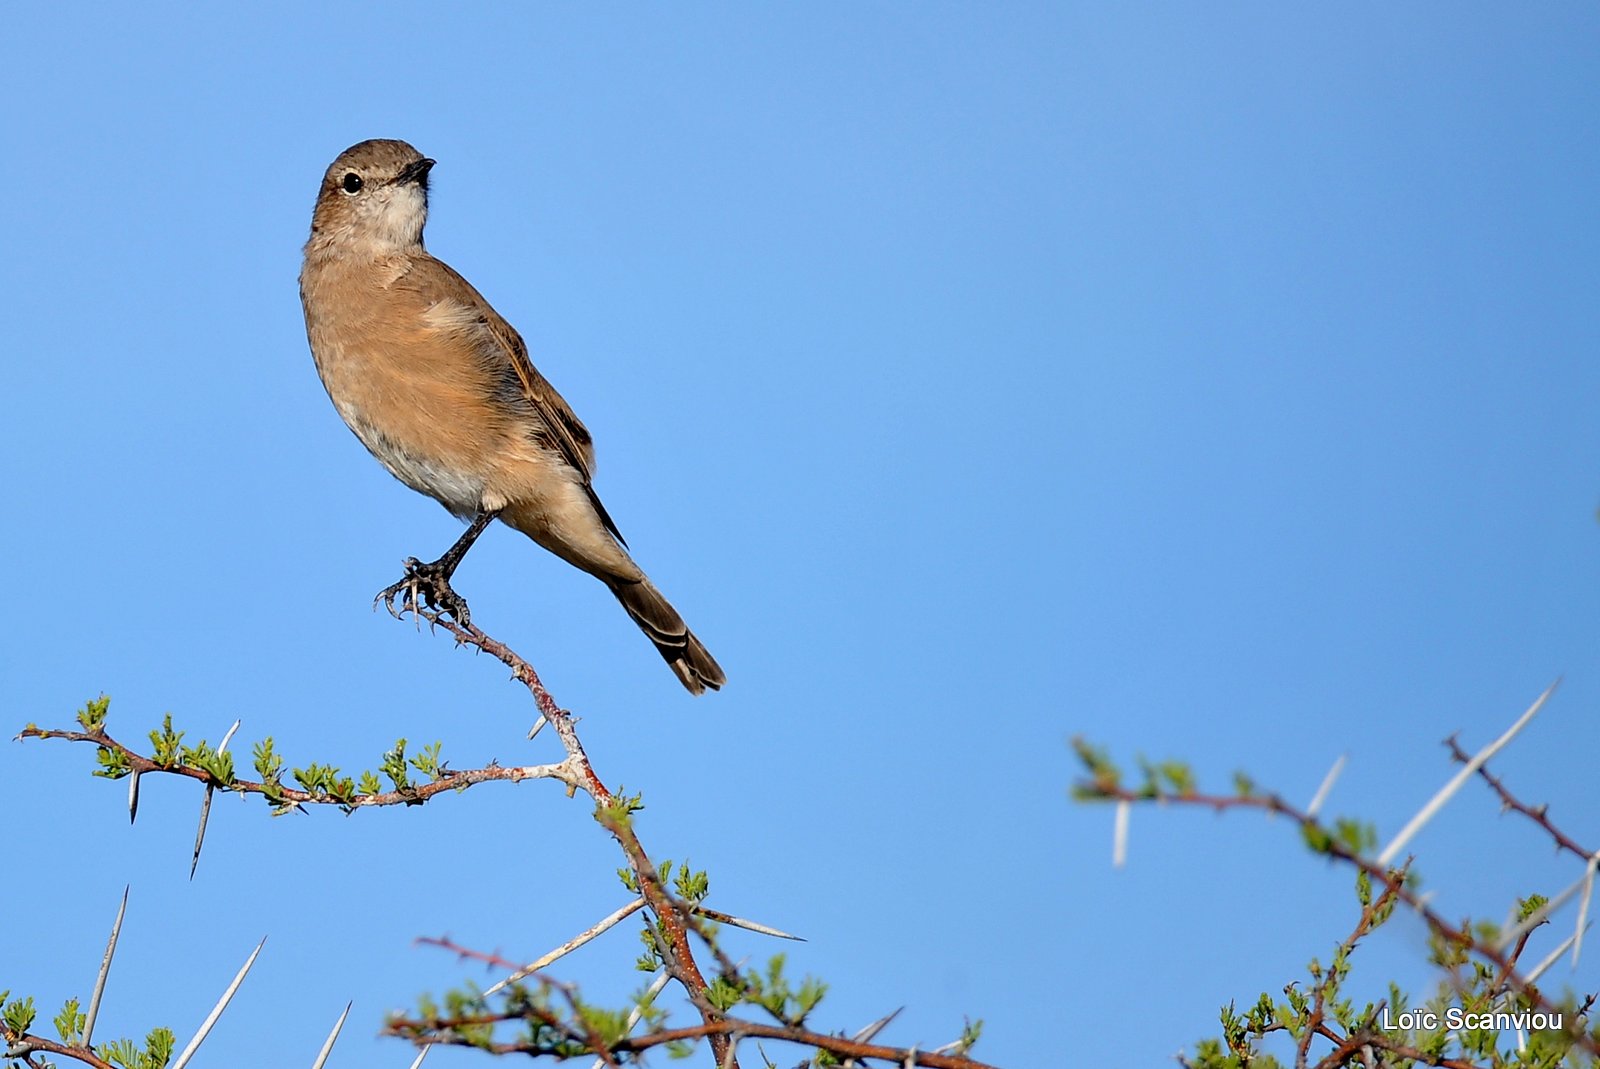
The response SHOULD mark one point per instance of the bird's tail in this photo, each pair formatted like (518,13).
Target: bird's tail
(685,654)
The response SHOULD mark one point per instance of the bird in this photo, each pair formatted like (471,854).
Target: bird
(440,389)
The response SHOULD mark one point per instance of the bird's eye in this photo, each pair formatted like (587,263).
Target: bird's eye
(352,183)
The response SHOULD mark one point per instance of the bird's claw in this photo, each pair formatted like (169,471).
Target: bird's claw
(425,587)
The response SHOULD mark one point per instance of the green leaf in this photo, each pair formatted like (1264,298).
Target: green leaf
(113,763)
(722,995)
(92,717)
(18,1015)
(394,766)
(166,744)
(69,1022)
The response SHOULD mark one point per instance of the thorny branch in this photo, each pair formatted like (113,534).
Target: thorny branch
(727,1027)
(1539,814)
(1371,913)
(668,911)
(449,779)
(26,1045)
(1393,882)
(675,918)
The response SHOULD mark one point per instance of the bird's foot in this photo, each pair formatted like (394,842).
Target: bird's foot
(425,589)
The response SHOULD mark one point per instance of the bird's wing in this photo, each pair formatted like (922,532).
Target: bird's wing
(452,300)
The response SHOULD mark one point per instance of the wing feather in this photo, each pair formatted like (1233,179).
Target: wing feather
(452,299)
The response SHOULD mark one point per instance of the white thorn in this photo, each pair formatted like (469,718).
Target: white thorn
(1327,786)
(105,970)
(1538,916)
(1549,959)
(327,1048)
(869,1033)
(1583,907)
(216,1011)
(200,832)
(569,946)
(418,1063)
(1119,835)
(740,922)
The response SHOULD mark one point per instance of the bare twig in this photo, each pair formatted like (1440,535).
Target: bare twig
(1539,814)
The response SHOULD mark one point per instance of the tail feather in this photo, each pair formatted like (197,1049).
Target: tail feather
(684,654)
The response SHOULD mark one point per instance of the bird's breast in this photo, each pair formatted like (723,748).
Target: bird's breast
(420,402)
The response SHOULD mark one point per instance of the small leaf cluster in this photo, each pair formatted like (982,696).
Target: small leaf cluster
(459,1007)
(269,766)
(69,1023)
(555,1020)
(156,1053)
(92,717)
(1105,778)
(17,1017)
(690,886)
(558,1022)
(773,991)
(1352,838)
(1158,779)
(218,764)
(620,808)
(323,782)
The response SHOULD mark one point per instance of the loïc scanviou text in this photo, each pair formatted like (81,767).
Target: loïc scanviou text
(1457,1019)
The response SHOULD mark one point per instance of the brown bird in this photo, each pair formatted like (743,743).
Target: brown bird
(440,389)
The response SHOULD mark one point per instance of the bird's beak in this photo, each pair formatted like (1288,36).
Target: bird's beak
(415,172)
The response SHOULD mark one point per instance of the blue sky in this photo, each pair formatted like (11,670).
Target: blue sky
(1215,382)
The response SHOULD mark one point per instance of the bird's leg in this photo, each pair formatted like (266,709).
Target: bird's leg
(430,583)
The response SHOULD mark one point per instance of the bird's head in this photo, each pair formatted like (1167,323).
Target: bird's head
(373,200)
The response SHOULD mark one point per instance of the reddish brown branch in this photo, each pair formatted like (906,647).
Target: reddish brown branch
(674,917)
(21,1046)
(729,1028)
(1393,879)
(1538,814)
(669,912)
(1352,1043)
(490,958)
(524,673)
(674,920)
(449,780)
(1316,1025)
